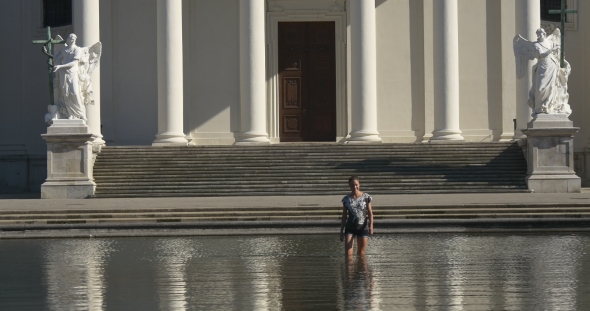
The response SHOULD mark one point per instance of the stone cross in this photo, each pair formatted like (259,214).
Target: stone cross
(47,50)
(563,13)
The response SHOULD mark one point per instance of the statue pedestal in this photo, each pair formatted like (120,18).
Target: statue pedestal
(69,161)
(550,154)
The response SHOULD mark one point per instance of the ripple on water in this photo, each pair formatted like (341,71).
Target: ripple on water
(407,272)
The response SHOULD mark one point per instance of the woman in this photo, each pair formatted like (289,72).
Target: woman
(357,218)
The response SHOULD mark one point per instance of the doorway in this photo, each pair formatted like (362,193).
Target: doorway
(307,81)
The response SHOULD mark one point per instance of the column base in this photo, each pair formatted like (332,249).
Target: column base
(506,137)
(362,137)
(246,139)
(569,183)
(447,135)
(67,189)
(518,135)
(170,139)
(98,143)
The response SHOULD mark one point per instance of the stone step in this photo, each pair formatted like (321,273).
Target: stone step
(293,180)
(308,168)
(325,212)
(249,184)
(324,156)
(327,145)
(325,161)
(344,168)
(150,192)
(325,208)
(146,194)
(334,218)
(314,152)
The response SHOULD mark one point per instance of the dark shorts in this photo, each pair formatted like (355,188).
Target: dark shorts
(359,233)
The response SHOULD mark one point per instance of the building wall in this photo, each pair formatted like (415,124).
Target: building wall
(400,70)
(211,63)
(213,71)
(24,94)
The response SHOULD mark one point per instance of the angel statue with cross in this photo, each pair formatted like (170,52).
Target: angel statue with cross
(72,83)
(548,93)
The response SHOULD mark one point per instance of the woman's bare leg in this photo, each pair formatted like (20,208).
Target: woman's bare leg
(349,243)
(361,245)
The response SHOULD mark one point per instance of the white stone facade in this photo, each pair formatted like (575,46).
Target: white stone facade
(174,71)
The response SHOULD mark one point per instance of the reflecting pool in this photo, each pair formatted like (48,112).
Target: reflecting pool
(399,272)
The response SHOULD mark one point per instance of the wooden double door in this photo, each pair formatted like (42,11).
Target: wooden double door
(307,81)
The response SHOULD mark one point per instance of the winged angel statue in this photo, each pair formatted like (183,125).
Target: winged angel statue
(549,91)
(72,82)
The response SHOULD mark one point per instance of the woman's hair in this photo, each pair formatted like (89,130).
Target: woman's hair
(353,178)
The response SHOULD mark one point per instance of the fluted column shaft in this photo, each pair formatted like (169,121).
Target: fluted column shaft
(170,79)
(363,72)
(446,71)
(252,73)
(528,20)
(87,28)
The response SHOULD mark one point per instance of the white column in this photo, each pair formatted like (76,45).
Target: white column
(528,20)
(87,29)
(363,35)
(252,73)
(170,80)
(446,71)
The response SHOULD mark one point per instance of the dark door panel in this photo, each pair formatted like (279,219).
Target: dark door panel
(307,94)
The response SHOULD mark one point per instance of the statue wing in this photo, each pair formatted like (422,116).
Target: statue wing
(555,39)
(94,56)
(523,52)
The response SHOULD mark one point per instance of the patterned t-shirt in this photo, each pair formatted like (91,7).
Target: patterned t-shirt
(357,210)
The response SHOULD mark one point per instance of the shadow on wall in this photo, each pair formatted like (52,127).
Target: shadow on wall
(214,85)
(22,173)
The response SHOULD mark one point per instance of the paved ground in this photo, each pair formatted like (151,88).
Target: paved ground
(32,201)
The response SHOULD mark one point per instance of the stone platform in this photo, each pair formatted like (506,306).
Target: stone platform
(25,216)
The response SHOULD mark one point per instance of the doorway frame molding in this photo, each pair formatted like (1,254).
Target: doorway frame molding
(277,14)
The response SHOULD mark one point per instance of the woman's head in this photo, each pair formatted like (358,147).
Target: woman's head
(354,182)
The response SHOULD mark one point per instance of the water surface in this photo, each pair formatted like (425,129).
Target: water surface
(399,272)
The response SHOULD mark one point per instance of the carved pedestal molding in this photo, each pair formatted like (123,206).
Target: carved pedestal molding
(170,79)
(527,23)
(252,73)
(550,155)
(446,72)
(363,77)
(87,26)
(69,161)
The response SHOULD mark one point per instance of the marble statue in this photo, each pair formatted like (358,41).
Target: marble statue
(72,82)
(548,93)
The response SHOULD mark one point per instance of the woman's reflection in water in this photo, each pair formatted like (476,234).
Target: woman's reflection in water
(358,284)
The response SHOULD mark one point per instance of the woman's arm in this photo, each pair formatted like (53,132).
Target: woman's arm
(343,222)
(370,211)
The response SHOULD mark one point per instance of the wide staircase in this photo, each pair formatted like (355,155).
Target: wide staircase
(308,169)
